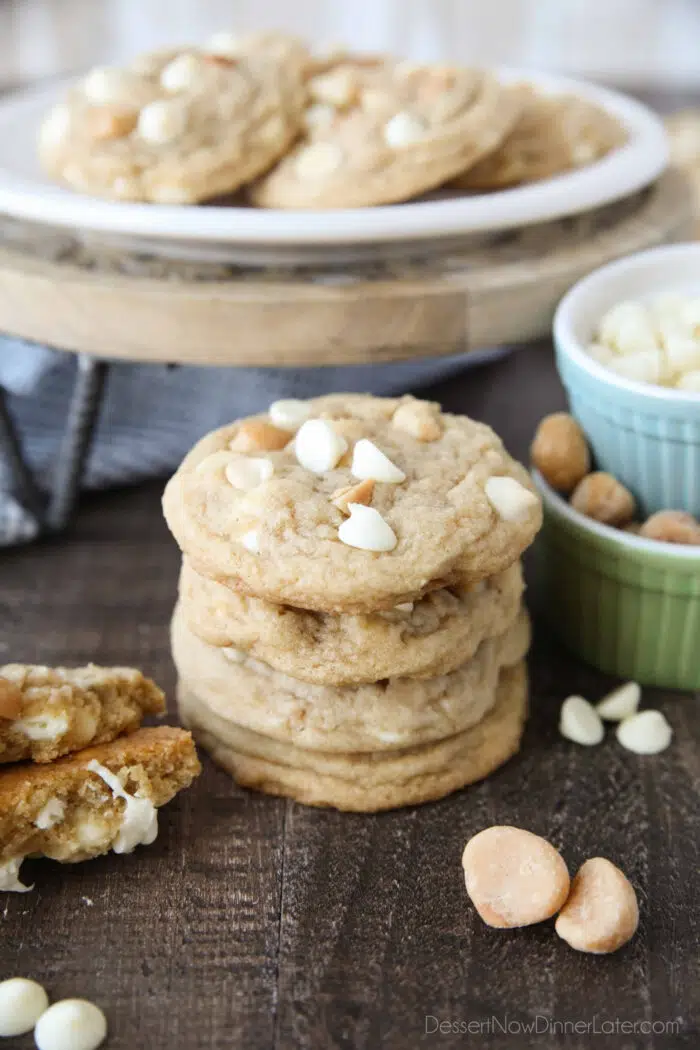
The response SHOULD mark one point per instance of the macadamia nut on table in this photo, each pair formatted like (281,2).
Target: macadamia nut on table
(514,878)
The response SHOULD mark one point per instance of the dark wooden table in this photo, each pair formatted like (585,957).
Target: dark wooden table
(257,923)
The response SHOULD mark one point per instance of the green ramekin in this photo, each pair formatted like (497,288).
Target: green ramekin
(627,605)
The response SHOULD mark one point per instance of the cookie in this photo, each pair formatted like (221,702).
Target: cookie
(379,132)
(383,716)
(554,134)
(176,126)
(63,709)
(342,533)
(364,783)
(99,799)
(418,640)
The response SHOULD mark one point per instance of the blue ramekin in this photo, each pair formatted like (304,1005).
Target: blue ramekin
(646,436)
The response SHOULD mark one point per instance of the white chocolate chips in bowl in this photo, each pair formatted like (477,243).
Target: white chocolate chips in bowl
(655,341)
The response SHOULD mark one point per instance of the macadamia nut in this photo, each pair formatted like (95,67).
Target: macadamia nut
(601,913)
(672,526)
(602,497)
(560,451)
(514,878)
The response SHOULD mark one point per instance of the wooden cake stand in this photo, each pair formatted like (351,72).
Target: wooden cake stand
(450,296)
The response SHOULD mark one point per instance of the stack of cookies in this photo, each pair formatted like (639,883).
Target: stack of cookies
(262,114)
(78,774)
(350,629)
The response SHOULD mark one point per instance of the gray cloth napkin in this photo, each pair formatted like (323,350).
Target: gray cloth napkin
(152,414)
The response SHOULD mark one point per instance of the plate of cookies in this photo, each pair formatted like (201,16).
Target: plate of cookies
(255,142)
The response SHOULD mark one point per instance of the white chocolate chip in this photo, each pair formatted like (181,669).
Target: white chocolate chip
(9,877)
(403,130)
(22,1002)
(318,446)
(683,354)
(404,607)
(645,733)
(56,126)
(579,721)
(139,826)
(248,473)
(620,703)
(51,814)
(319,115)
(370,463)
(289,413)
(227,44)
(367,530)
(233,655)
(628,328)
(318,159)
(511,500)
(107,84)
(251,542)
(181,74)
(43,727)
(647,366)
(162,121)
(71,1024)
(689,381)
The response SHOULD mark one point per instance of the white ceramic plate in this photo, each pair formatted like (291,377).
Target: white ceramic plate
(27,194)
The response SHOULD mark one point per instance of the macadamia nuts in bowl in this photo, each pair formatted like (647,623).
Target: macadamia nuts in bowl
(627,341)
(624,602)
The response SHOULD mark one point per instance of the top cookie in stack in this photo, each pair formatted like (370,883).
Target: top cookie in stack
(373,503)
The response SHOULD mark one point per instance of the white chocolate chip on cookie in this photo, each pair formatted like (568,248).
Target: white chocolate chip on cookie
(369,462)
(403,130)
(318,446)
(318,159)
(514,878)
(601,913)
(579,721)
(106,84)
(289,413)
(367,530)
(620,703)
(251,541)
(646,733)
(181,74)
(43,727)
(247,474)
(162,121)
(511,500)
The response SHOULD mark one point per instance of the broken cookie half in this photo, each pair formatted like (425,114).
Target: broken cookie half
(47,712)
(103,798)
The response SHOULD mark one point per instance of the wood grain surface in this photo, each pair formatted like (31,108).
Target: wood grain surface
(440,304)
(255,923)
